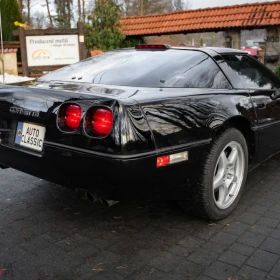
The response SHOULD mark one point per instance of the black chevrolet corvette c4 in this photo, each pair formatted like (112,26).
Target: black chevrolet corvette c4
(150,123)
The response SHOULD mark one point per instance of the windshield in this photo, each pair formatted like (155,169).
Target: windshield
(170,68)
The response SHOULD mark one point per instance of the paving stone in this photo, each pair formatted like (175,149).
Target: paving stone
(267,222)
(203,277)
(275,208)
(237,228)
(180,250)
(271,245)
(265,202)
(109,276)
(203,256)
(215,247)
(273,215)
(233,258)
(261,230)
(275,234)
(37,243)
(247,272)
(124,246)
(258,209)
(252,239)
(148,273)
(188,270)
(191,242)
(149,232)
(220,271)
(61,259)
(84,251)
(262,260)
(165,262)
(249,218)
(275,272)
(207,232)
(250,197)
(224,238)
(242,249)
(132,262)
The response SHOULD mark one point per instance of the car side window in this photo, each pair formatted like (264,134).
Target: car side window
(204,73)
(246,72)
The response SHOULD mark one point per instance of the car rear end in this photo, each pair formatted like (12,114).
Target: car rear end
(68,138)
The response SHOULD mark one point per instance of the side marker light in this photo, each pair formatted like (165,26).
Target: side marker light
(174,158)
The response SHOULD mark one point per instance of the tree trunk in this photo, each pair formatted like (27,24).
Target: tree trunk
(83,10)
(28,12)
(68,13)
(79,10)
(141,7)
(20,6)
(49,13)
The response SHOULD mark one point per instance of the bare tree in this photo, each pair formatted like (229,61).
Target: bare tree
(83,10)
(38,20)
(63,13)
(144,7)
(49,13)
(28,12)
(79,10)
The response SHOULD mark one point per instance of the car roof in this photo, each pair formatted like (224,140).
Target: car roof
(213,50)
(225,50)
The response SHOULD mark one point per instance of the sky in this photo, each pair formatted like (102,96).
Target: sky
(200,4)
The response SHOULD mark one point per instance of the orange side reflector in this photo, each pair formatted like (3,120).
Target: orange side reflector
(162,161)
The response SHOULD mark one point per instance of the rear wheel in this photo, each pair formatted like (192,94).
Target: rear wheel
(223,177)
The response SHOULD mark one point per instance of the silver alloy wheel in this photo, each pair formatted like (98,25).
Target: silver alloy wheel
(229,174)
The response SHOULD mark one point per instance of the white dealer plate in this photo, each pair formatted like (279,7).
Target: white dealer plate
(30,136)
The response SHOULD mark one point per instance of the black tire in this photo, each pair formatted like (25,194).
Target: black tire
(201,200)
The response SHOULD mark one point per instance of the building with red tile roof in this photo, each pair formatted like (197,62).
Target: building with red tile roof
(246,16)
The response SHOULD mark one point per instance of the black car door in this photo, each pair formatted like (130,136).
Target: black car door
(263,86)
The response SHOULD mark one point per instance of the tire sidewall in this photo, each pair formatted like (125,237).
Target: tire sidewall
(218,146)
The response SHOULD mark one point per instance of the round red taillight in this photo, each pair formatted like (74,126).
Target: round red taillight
(73,115)
(102,121)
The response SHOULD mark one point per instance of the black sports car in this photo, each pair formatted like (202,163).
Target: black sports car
(154,122)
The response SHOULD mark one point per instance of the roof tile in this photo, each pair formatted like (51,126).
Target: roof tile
(254,15)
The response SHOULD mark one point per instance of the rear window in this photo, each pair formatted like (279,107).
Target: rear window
(170,68)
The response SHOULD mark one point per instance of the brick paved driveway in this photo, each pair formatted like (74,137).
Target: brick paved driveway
(49,232)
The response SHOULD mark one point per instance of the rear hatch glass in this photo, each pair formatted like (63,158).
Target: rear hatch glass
(170,68)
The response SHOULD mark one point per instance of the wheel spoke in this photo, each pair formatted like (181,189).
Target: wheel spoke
(233,157)
(223,194)
(218,180)
(223,161)
(234,179)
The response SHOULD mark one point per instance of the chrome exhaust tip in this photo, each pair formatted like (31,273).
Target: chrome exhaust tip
(90,197)
(108,203)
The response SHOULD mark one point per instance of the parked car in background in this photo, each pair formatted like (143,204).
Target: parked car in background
(150,123)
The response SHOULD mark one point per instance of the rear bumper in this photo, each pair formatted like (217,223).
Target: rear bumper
(123,178)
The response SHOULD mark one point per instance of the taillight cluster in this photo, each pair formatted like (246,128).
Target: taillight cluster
(96,122)
(73,115)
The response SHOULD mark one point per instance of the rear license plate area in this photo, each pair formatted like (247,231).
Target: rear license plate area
(30,136)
